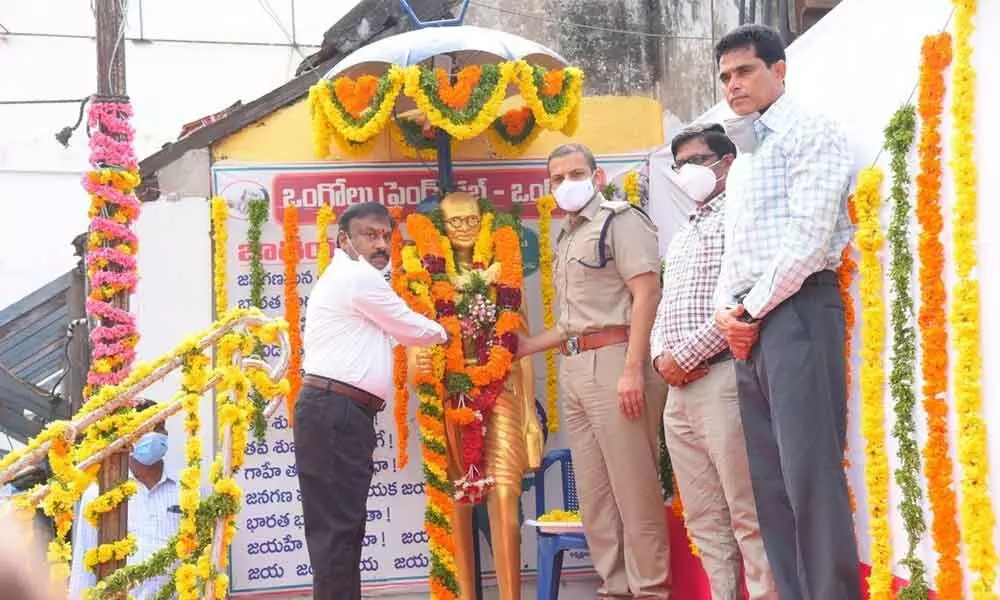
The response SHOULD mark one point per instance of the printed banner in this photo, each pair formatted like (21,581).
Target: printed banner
(269,553)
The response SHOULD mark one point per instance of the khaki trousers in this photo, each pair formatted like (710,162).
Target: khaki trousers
(704,435)
(615,460)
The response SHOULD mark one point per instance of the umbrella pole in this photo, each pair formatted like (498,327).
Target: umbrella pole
(446,180)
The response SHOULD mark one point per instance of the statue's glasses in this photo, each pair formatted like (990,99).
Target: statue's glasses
(468,221)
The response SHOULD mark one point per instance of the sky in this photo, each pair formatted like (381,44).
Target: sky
(170,82)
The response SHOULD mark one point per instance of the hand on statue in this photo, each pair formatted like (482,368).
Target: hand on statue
(630,392)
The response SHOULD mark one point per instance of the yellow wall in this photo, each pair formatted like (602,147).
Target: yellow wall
(609,125)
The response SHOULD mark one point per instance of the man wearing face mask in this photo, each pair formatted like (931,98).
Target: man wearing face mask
(353,319)
(781,312)
(701,421)
(607,288)
(153,513)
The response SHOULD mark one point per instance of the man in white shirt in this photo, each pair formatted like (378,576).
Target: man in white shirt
(353,320)
(153,514)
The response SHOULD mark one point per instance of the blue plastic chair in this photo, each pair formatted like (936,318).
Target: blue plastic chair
(551,547)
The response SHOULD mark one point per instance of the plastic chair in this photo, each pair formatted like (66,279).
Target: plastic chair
(552,546)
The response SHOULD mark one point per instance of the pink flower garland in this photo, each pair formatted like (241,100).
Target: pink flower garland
(112,246)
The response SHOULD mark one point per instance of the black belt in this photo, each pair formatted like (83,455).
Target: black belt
(720,357)
(360,397)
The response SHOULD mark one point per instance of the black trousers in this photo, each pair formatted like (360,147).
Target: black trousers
(793,400)
(334,441)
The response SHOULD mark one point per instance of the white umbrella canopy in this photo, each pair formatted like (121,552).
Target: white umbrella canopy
(460,46)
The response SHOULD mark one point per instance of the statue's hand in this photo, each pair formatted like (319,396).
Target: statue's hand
(534,441)
(424,360)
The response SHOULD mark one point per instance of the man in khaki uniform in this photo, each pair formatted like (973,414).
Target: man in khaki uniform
(607,295)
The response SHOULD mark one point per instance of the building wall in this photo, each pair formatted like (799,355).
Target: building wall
(661,49)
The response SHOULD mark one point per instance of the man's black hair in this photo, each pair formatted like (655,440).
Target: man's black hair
(144,404)
(714,136)
(574,148)
(359,211)
(765,41)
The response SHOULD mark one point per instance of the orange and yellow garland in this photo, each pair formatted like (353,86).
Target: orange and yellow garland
(293,309)
(845,279)
(869,239)
(933,337)
(452,390)
(401,408)
(976,512)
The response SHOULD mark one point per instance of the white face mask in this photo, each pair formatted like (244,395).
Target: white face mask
(696,181)
(741,131)
(385,272)
(573,195)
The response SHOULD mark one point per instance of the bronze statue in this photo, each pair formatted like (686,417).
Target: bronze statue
(513,442)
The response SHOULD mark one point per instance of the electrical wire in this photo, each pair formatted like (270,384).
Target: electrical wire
(29,102)
(264,4)
(78,36)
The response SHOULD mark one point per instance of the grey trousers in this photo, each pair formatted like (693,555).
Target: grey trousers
(793,399)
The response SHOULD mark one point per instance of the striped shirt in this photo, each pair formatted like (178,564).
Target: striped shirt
(685,320)
(153,518)
(786,216)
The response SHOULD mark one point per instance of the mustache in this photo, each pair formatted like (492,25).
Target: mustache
(380,253)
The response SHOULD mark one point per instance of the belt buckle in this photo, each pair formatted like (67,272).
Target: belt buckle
(573,346)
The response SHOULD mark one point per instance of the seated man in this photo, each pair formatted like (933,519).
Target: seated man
(154,514)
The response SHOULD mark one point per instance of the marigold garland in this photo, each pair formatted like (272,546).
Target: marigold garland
(401,408)
(220,213)
(513,132)
(553,96)
(677,507)
(630,186)
(978,518)
(414,139)
(545,205)
(194,380)
(466,109)
(112,246)
(324,218)
(869,239)
(899,136)
(845,281)
(293,310)
(119,550)
(464,394)
(109,500)
(357,110)
(938,468)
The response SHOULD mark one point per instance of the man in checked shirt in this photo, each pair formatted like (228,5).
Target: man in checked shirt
(781,312)
(702,426)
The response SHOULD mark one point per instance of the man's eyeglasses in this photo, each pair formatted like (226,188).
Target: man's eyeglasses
(468,221)
(704,160)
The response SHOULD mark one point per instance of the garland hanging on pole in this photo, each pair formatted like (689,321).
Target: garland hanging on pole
(401,408)
(545,205)
(324,218)
(978,518)
(220,213)
(899,136)
(845,281)
(293,309)
(867,203)
(258,214)
(938,467)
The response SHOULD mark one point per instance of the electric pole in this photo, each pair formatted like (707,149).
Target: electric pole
(110,23)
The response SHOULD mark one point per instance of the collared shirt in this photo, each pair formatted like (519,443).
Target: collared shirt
(589,298)
(353,319)
(685,320)
(786,215)
(153,518)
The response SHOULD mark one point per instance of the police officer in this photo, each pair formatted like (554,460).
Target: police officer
(607,289)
